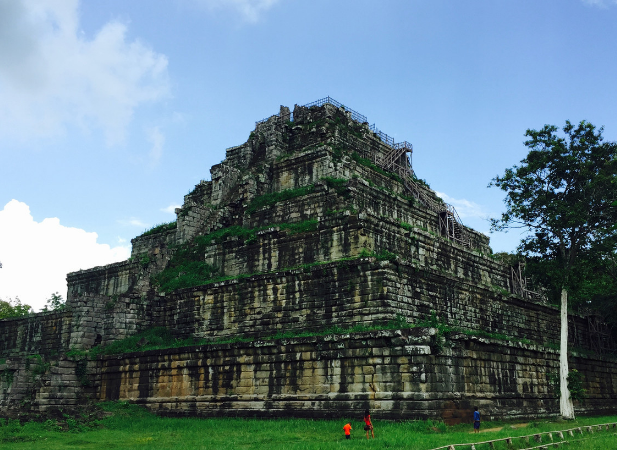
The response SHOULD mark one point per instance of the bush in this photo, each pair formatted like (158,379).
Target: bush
(14,308)
(55,303)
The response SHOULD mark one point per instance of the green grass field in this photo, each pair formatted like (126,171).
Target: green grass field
(130,427)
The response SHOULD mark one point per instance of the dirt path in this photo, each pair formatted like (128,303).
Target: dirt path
(517,425)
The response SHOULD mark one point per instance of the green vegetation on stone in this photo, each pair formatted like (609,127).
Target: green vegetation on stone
(187,267)
(501,291)
(275,197)
(154,338)
(346,125)
(7,376)
(161,338)
(384,255)
(144,260)
(338,184)
(36,365)
(160,228)
(300,227)
(368,163)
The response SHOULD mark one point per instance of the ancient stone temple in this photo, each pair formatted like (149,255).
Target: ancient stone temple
(317,222)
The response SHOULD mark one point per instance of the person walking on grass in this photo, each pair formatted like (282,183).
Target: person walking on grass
(368,426)
(347,429)
(476,420)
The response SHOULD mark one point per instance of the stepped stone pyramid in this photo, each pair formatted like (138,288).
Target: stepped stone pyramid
(317,222)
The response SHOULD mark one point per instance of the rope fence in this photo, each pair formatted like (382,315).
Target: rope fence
(536,437)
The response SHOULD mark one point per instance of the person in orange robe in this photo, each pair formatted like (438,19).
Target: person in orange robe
(347,429)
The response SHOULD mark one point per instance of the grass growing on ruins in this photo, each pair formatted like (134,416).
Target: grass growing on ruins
(384,255)
(275,197)
(159,228)
(132,427)
(368,163)
(338,184)
(187,267)
(161,338)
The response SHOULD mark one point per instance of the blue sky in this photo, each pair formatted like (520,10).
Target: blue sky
(110,112)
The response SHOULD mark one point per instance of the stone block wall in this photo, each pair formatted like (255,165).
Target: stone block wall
(113,279)
(356,292)
(397,374)
(42,383)
(314,298)
(40,334)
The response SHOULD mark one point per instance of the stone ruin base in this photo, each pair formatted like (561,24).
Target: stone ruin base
(400,374)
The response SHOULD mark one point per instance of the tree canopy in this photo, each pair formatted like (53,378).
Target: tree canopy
(13,308)
(565,194)
(54,303)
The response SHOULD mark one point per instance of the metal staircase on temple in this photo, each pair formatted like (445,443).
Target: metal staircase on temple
(399,162)
(450,224)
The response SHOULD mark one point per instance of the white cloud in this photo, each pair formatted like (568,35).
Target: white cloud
(157,139)
(52,76)
(465,208)
(171,209)
(36,256)
(249,10)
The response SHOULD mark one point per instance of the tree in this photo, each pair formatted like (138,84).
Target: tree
(598,287)
(54,303)
(13,308)
(564,195)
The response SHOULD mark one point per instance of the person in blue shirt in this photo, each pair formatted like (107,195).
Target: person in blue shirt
(476,420)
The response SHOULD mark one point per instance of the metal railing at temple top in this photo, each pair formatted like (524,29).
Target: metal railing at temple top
(450,222)
(355,115)
(322,101)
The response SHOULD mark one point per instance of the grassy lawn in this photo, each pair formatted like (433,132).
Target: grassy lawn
(130,427)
